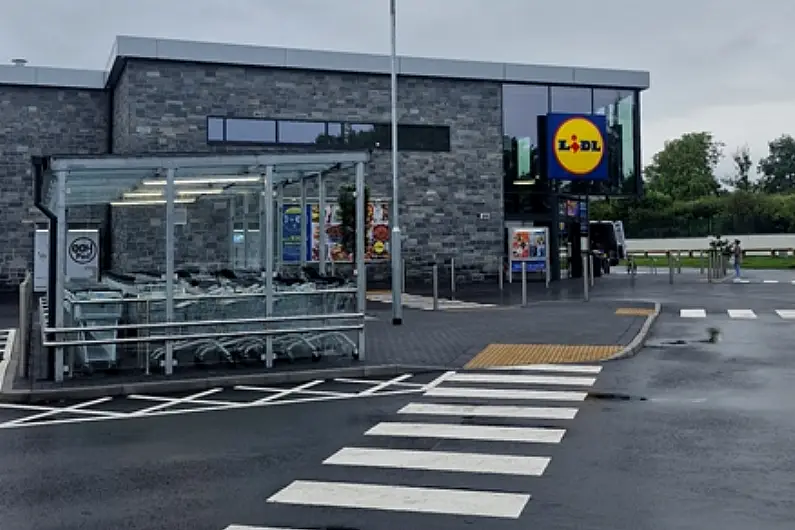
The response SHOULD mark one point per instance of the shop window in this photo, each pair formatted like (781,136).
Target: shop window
(215,129)
(244,130)
(570,99)
(301,132)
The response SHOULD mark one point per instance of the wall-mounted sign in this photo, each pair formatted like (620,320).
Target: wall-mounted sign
(576,147)
(82,256)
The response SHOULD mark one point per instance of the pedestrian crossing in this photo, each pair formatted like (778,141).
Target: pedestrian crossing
(740,314)
(524,408)
(425,303)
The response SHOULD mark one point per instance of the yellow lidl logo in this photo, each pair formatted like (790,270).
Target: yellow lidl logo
(579,145)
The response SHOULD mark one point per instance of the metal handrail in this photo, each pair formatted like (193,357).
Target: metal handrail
(200,323)
(197,336)
(184,298)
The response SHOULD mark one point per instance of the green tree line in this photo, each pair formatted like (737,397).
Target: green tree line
(685,197)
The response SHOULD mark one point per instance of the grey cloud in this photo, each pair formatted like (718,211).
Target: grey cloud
(701,53)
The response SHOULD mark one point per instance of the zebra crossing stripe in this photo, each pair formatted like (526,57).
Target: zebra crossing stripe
(692,313)
(741,313)
(403,499)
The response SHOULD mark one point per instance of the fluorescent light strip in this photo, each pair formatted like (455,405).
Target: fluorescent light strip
(158,194)
(207,180)
(150,203)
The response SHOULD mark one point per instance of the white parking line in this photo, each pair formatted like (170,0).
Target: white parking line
(376,388)
(741,313)
(403,499)
(524,379)
(52,412)
(490,411)
(494,393)
(177,401)
(484,463)
(468,432)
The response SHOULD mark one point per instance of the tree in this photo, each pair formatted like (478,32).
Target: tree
(348,225)
(741,180)
(777,169)
(685,168)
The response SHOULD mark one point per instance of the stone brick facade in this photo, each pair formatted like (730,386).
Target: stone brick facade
(35,121)
(162,107)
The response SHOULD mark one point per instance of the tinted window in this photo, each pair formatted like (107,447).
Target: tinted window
(619,107)
(421,138)
(333,135)
(301,132)
(521,106)
(256,131)
(215,129)
(361,136)
(571,99)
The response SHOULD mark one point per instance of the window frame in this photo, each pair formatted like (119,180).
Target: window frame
(345,127)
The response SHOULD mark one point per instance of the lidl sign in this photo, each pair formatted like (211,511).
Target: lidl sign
(576,147)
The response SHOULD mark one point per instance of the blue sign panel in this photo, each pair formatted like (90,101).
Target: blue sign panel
(291,234)
(576,147)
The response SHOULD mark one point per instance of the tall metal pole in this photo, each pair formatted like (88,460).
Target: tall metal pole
(395,241)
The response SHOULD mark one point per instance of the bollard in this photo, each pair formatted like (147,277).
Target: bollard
(405,274)
(670,268)
(591,273)
(679,262)
(501,275)
(435,287)
(701,262)
(452,278)
(709,267)
(524,284)
(585,273)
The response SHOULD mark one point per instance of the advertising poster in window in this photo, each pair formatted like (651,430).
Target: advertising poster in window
(291,233)
(529,245)
(376,239)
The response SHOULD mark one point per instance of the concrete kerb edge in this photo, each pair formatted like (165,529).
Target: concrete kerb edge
(200,384)
(640,339)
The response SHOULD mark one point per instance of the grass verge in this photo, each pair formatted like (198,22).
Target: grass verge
(750,262)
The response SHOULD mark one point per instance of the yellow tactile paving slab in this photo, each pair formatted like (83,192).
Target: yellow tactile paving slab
(634,311)
(518,354)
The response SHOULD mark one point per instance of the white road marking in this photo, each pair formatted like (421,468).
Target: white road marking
(52,412)
(494,393)
(788,314)
(162,399)
(741,313)
(524,379)
(468,432)
(376,388)
(692,313)
(770,281)
(529,466)
(563,368)
(740,280)
(490,411)
(374,382)
(278,393)
(179,401)
(403,499)
(107,416)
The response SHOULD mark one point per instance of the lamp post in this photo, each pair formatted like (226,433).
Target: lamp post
(395,240)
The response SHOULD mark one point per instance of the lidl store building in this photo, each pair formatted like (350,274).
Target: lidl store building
(483,147)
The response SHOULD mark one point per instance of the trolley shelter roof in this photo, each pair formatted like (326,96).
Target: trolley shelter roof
(142,180)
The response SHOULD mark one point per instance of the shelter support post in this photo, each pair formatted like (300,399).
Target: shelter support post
(232,248)
(361,273)
(60,278)
(279,217)
(304,227)
(169,368)
(267,229)
(321,209)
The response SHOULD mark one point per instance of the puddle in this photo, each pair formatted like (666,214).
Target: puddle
(613,396)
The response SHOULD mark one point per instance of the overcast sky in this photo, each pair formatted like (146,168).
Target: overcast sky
(718,65)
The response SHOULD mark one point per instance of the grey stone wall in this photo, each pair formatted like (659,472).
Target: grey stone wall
(162,107)
(39,121)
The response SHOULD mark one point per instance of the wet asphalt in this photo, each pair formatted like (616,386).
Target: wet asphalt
(686,435)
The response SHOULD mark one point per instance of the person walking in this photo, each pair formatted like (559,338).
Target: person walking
(737,251)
